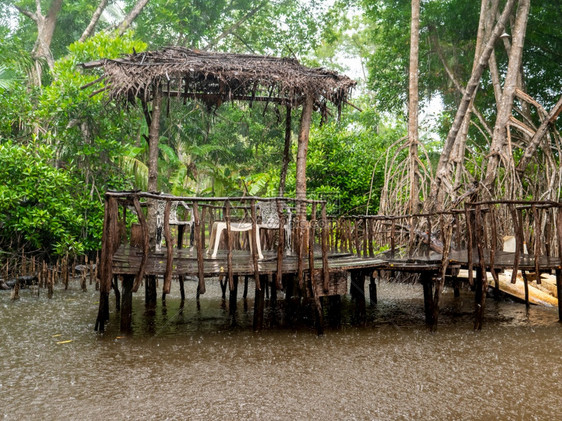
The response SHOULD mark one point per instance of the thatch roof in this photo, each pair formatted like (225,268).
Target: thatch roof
(219,77)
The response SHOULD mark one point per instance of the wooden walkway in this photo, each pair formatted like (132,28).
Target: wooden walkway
(325,258)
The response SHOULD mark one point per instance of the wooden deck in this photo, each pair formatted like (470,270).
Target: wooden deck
(319,256)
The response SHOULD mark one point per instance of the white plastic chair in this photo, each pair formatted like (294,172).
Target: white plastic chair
(160,209)
(269,220)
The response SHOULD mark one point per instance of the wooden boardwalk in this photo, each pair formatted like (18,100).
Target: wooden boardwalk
(325,258)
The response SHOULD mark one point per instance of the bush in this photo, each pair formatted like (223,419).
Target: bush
(44,208)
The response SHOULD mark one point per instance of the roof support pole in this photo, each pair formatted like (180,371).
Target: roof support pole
(301,243)
(306,118)
(153,138)
(286,152)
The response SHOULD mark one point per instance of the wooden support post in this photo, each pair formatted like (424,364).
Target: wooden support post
(233,296)
(115,285)
(559,292)
(470,245)
(428,304)
(372,290)
(127,303)
(456,289)
(479,299)
(526,286)
(150,295)
(110,243)
(370,233)
(289,285)
(199,246)
(280,247)
(103,311)
(254,243)
(167,284)
(325,233)
(365,237)
(259,305)
(181,278)
(245,294)
(228,233)
(145,244)
(334,310)
(537,245)
(357,290)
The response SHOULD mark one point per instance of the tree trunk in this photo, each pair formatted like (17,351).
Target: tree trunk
(135,11)
(504,110)
(94,21)
(45,29)
(458,155)
(413,107)
(442,167)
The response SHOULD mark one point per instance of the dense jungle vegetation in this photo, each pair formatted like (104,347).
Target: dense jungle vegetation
(495,128)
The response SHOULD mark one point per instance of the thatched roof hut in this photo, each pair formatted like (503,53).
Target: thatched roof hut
(214,78)
(220,77)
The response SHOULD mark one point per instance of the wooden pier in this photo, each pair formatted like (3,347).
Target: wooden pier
(307,254)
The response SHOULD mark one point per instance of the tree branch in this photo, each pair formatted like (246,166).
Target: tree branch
(467,97)
(135,11)
(27,13)
(236,25)
(536,139)
(93,22)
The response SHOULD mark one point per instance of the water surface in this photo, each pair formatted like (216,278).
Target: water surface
(192,363)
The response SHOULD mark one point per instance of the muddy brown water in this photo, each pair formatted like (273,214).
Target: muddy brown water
(192,364)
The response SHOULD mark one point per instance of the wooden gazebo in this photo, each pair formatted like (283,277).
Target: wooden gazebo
(149,78)
(215,78)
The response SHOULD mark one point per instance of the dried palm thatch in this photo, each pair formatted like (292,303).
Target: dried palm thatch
(215,78)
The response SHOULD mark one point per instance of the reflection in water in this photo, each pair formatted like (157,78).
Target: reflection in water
(192,362)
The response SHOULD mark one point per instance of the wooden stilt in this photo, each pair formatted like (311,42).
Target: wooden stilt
(246,278)
(115,286)
(290,307)
(357,291)
(127,303)
(479,299)
(456,289)
(428,304)
(233,296)
(223,283)
(526,285)
(150,291)
(180,246)
(334,311)
(259,305)
(372,290)
(103,312)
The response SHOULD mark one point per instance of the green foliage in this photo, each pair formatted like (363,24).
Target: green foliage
(344,158)
(42,207)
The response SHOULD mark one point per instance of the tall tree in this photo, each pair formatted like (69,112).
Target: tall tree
(499,149)
(413,107)
(45,30)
